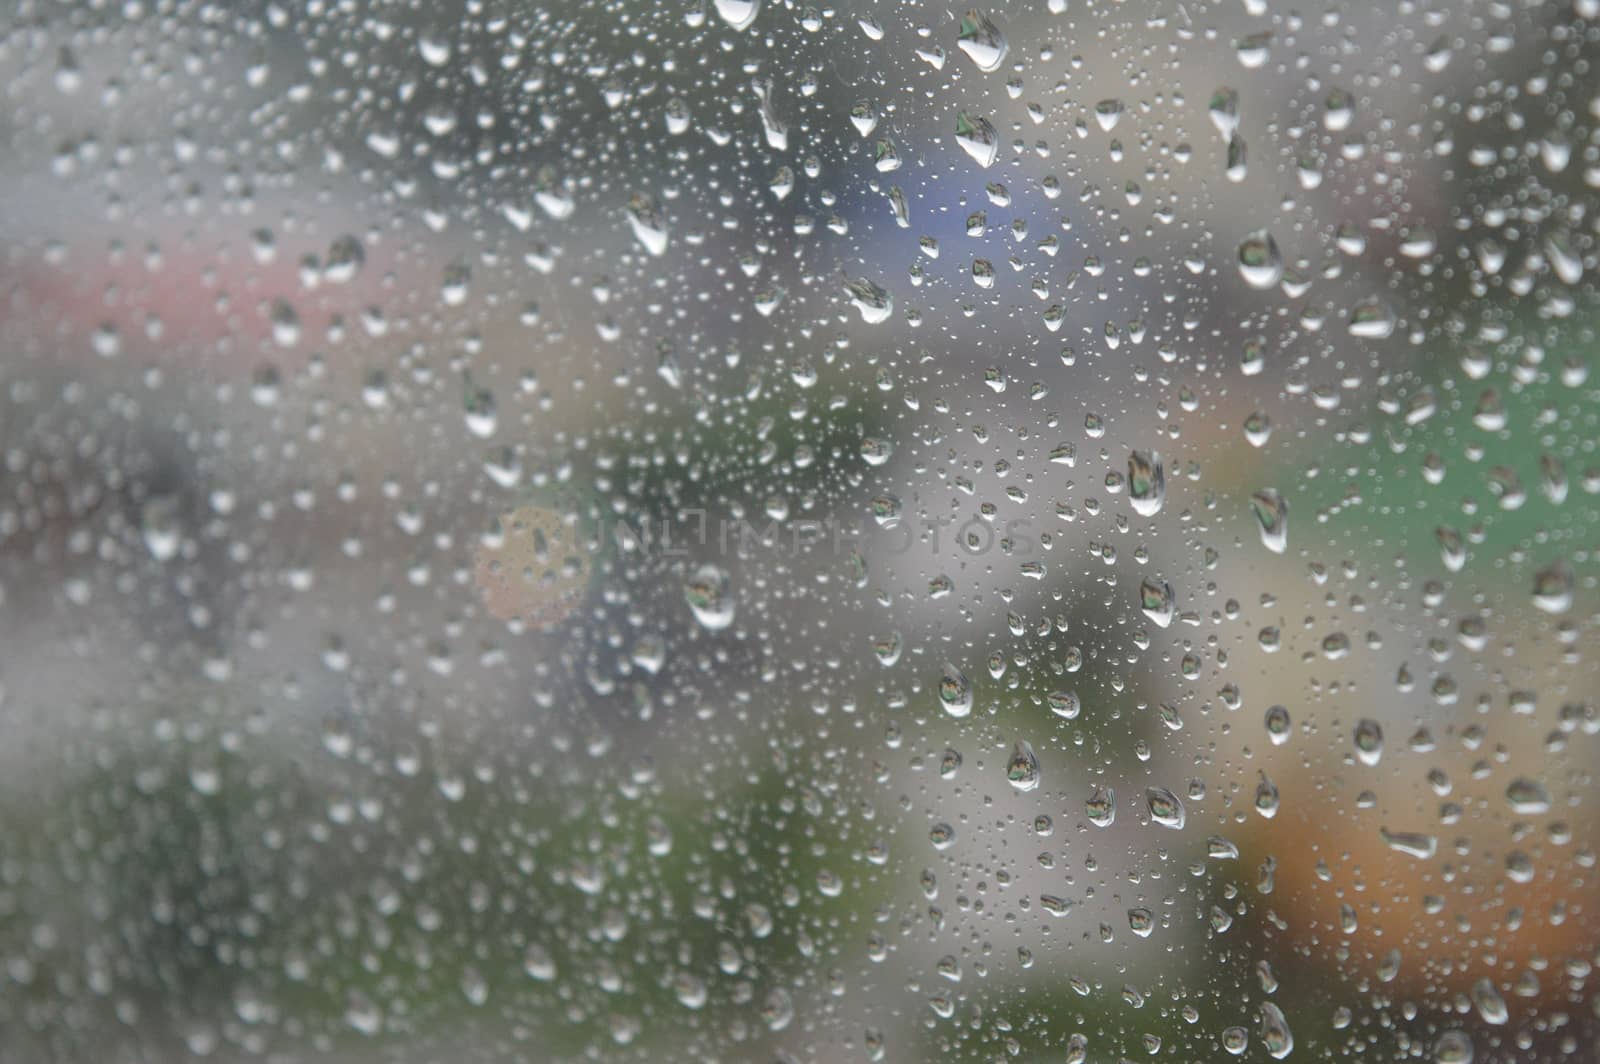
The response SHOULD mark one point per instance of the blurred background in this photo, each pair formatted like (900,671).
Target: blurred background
(750,531)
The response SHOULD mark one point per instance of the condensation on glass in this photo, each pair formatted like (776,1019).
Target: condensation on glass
(757,531)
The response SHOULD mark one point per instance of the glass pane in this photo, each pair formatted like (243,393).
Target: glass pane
(756,531)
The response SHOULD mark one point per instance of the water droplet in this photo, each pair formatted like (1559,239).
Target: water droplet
(1369,741)
(1260,264)
(875,450)
(1237,167)
(1552,588)
(1490,1005)
(1022,770)
(1224,111)
(160,528)
(1064,704)
(538,963)
(1266,797)
(1410,843)
(977,138)
(738,14)
(955,692)
(863,117)
(344,260)
(1147,483)
(778,1007)
(1221,849)
(1372,319)
(1452,551)
(982,40)
(1157,601)
(362,1014)
(1339,111)
(474,987)
(1054,904)
(1165,807)
(690,990)
(888,650)
(772,128)
(1272,519)
(1528,797)
(709,598)
(478,408)
(285,323)
(649,228)
(1107,113)
(886,510)
(1253,49)
(454,282)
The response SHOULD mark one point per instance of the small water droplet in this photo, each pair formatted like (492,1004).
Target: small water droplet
(1157,601)
(1275,1033)
(1101,807)
(1272,519)
(1453,1047)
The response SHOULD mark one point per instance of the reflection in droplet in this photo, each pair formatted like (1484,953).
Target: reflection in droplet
(1147,486)
(1260,263)
(955,692)
(709,598)
(982,41)
(1022,769)
(1165,807)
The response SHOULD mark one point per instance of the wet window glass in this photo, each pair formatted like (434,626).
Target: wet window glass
(760,531)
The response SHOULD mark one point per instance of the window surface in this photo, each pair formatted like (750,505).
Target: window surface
(755,531)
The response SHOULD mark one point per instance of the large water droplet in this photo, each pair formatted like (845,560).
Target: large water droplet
(982,40)
(1157,601)
(1453,1047)
(1410,843)
(1272,519)
(649,228)
(1166,808)
(977,138)
(955,691)
(1275,1033)
(1022,770)
(1369,741)
(1101,807)
(1147,482)
(1260,263)
(1277,722)
(1487,1000)
(738,14)
(873,302)
(709,597)
(1528,797)
(1552,588)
